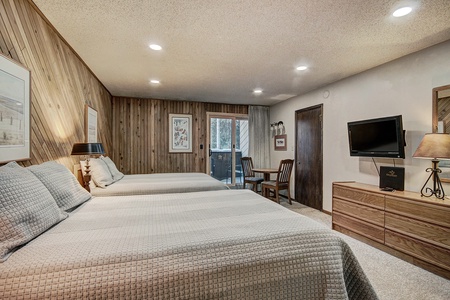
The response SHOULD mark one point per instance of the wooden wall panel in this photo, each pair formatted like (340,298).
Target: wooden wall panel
(141,134)
(61,84)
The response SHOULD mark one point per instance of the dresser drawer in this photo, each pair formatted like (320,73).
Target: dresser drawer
(435,234)
(419,210)
(359,196)
(365,213)
(432,254)
(366,229)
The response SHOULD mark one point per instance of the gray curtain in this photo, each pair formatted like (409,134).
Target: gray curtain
(259,135)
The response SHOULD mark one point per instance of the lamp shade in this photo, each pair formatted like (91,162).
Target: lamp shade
(434,146)
(87,149)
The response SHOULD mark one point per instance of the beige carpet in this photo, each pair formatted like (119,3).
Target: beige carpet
(392,278)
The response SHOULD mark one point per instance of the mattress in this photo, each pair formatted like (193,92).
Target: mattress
(160,183)
(231,244)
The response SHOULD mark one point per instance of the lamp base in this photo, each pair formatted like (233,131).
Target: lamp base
(438,189)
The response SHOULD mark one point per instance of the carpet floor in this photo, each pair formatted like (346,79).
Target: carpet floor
(392,278)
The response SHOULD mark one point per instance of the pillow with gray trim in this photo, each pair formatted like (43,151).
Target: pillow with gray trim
(116,174)
(26,209)
(61,183)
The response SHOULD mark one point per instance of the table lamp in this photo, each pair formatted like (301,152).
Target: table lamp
(87,149)
(434,146)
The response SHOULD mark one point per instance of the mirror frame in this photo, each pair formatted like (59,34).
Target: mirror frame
(434,108)
(435,114)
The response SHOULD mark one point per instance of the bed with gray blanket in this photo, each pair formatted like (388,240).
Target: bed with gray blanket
(159,183)
(228,244)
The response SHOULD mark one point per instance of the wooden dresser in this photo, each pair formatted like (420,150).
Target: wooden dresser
(411,227)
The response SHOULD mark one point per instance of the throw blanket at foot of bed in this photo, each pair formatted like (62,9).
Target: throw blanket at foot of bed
(231,244)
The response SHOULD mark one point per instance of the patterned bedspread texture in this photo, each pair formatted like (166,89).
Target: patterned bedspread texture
(231,244)
(160,183)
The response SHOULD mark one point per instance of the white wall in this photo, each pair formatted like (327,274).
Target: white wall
(401,87)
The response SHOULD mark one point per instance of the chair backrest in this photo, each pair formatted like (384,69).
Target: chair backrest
(284,171)
(247,166)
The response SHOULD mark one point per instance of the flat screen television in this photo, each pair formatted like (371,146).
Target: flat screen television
(381,137)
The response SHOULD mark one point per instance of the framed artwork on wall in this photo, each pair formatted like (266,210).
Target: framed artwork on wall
(180,133)
(90,125)
(280,142)
(15,86)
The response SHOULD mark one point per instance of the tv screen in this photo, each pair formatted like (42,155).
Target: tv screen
(382,137)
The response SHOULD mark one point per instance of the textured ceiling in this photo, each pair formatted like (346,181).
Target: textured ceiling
(219,51)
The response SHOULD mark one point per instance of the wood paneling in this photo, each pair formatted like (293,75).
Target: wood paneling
(61,84)
(141,134)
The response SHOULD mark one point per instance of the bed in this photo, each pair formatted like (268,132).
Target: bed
(108,181)
(226,244)
(159,183)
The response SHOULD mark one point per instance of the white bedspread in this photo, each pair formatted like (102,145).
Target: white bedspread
(160,183)
(231,244)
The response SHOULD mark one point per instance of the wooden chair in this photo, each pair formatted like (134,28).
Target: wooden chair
(249,175)
(281,183)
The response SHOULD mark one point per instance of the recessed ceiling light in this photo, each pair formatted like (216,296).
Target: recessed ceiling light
(402,11)
(302,68)
(257,91)
(154,81)
(155,47)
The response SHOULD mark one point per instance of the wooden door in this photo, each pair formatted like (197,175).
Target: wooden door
(308,154)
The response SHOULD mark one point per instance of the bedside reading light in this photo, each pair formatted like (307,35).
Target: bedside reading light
(87,149)
(434,146)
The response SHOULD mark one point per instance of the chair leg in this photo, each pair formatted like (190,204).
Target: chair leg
(289,195)
(277,196)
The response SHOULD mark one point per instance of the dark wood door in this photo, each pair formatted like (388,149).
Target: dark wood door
(308,154)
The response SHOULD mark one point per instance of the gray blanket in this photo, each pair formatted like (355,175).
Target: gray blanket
(231,244)
(160,183)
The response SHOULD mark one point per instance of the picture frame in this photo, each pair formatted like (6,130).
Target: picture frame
(90,124)
(280,142)
(15,119)
(180,133)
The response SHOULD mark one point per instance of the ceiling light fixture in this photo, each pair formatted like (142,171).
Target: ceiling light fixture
(302,68)
(154,81)
(402,11)
(155,47)
(257,91)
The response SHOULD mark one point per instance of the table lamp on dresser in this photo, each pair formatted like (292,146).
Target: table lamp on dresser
(434,146)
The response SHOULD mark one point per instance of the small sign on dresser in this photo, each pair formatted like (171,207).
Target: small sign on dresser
(392,178)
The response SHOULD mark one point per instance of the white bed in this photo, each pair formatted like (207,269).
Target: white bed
(107,180)
(229,244)
(159,183)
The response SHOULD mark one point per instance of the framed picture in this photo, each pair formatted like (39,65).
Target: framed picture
(180,133)
(15,86)
(90,125)
(280,142)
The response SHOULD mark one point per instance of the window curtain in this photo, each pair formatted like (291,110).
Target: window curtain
(259,135)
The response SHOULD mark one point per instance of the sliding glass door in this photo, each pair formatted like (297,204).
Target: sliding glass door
(227,143)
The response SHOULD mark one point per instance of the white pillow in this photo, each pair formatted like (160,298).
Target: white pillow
(61,183)
(26,209)
(116,174)
(100,173)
